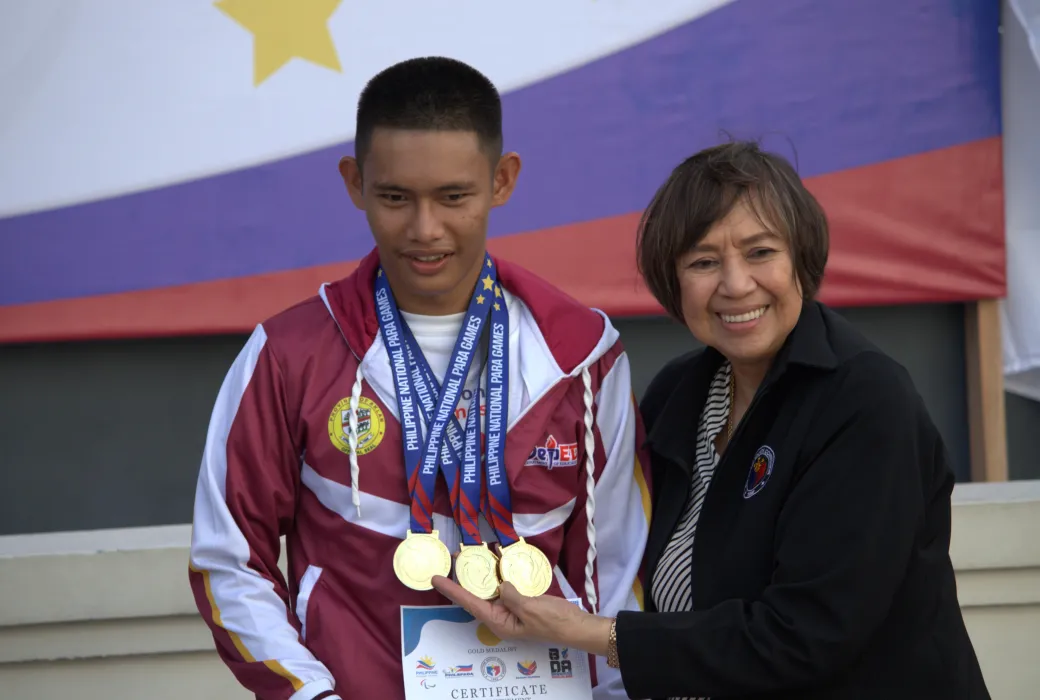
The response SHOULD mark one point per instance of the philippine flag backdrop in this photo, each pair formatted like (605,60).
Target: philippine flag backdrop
(170,167)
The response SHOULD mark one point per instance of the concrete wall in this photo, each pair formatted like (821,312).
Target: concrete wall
(108,614)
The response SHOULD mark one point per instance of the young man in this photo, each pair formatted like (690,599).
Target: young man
(346,424)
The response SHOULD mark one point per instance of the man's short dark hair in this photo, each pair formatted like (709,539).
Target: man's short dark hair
(703,189)
(432,93)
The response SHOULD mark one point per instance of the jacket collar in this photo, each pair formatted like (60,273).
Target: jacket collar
(808,345)
(573,334)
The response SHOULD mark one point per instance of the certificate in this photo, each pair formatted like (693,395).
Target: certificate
(448,655)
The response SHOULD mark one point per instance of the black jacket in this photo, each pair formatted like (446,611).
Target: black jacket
(829,575)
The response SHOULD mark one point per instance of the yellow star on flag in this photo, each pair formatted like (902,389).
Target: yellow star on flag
(498,291)
(488,282)
(497,307)
(489,262)
(480,299)
(283,30)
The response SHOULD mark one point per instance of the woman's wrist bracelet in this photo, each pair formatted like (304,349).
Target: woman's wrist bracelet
(612,655)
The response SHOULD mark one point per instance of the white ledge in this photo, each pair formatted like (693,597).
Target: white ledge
(997,492)
(118,601)
(95,541)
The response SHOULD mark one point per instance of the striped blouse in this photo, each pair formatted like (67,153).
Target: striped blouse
(673,579)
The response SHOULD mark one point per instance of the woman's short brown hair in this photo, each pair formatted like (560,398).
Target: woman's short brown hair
(703,189)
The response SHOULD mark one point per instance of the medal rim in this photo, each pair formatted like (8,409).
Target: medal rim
(401,560)
(543,563)
(481,551)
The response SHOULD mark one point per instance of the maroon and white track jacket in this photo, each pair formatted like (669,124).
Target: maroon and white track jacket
(277,463)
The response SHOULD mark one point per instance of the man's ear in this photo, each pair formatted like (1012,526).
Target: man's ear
(350,171)
(506,173)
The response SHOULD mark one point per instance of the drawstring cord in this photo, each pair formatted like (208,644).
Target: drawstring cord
(352,439)
(590,493)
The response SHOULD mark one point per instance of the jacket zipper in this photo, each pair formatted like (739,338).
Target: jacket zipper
(743,422)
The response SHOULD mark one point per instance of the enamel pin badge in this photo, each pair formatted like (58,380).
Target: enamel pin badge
(761,469)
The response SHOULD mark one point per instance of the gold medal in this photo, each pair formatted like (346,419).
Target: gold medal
(476,570)
(526,567)
(419,558)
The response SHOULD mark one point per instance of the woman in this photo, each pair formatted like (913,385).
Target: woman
(800,538)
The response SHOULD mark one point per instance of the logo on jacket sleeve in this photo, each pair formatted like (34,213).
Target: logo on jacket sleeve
(370,425)
(761,469)
(553,454)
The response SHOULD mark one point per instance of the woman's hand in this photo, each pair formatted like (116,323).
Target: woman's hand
(545,618)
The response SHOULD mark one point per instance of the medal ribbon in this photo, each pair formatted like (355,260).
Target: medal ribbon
(428,390)
(465,492)
(499,507)
(421,461)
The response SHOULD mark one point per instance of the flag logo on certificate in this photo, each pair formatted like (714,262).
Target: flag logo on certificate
(527,668)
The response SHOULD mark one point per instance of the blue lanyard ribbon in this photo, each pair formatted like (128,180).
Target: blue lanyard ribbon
(423,458)
(464,491)
(498,507)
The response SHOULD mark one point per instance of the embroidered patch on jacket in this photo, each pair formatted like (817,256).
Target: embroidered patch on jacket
(553,454)
(370,425)
(761,468)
